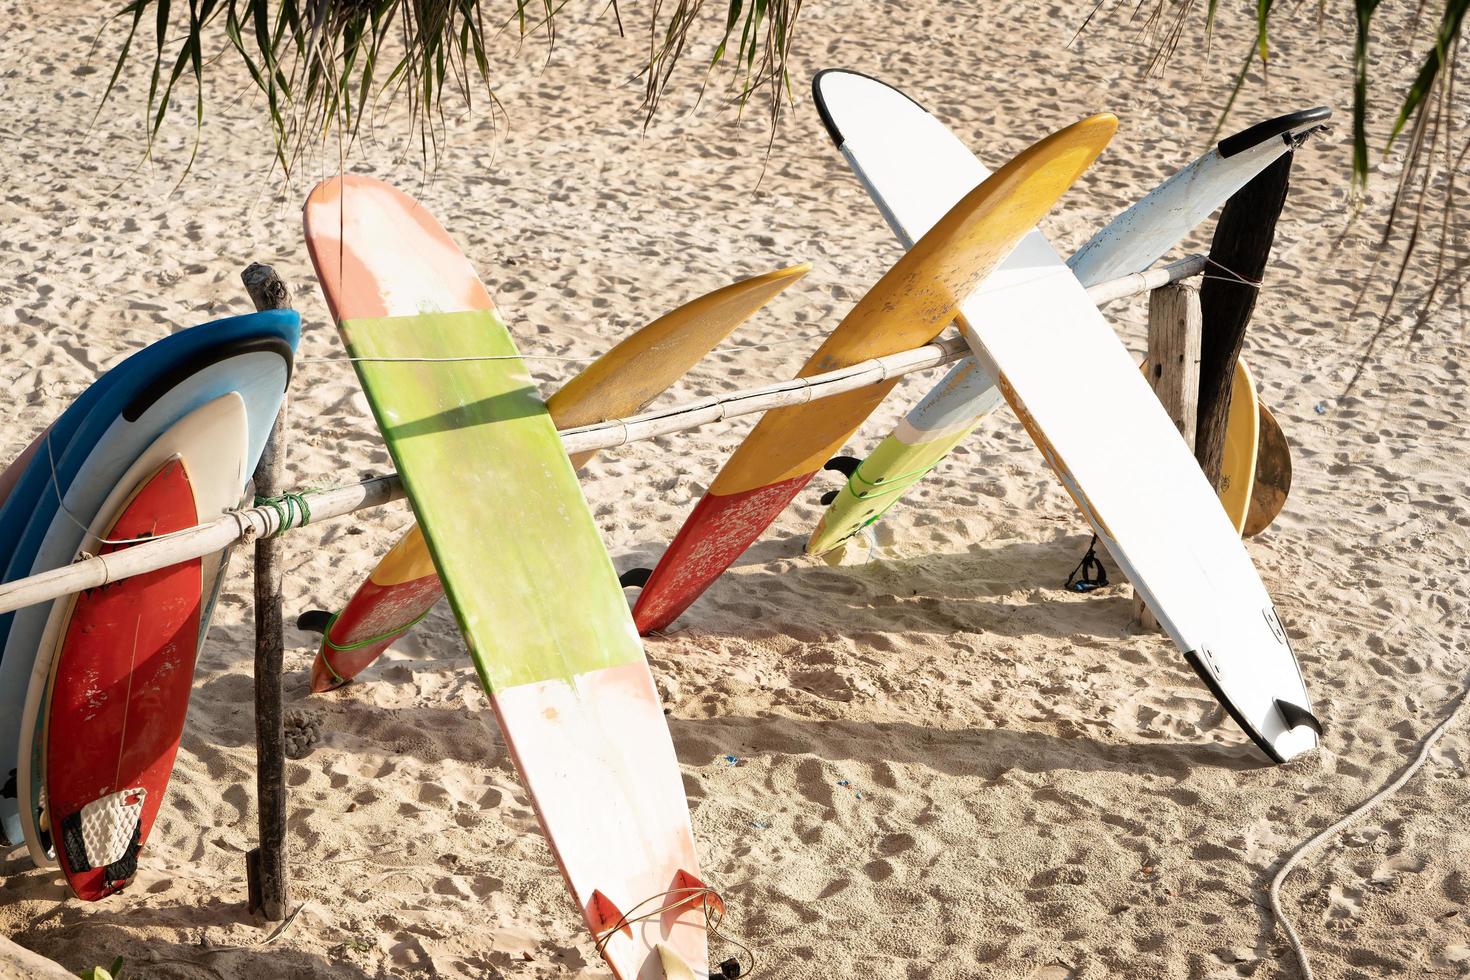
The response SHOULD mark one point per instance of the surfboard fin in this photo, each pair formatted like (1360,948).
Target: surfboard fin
(689,892)
(314,621)
(635,578)
(605,917)
(829,496)
(675,967)
(1295,716)
(846,465)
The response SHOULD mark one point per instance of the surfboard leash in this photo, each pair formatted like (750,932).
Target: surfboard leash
(713,907)
(1089,574)
(1273,893)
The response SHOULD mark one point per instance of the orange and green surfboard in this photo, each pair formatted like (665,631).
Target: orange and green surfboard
(907,308)
(404,586)
(523,566)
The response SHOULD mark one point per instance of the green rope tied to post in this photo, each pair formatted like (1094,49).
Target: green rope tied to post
(291,509)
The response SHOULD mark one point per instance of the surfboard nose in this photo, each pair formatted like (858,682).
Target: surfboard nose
(322,677)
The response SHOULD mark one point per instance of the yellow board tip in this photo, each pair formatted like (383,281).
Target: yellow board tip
(674,965)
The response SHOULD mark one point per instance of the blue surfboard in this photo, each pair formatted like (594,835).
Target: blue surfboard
(94,442)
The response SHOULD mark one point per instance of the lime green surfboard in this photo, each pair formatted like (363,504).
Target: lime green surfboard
(524,568)
(435,418)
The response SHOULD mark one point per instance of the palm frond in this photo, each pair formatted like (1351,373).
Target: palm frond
(324,65)
(1423,211)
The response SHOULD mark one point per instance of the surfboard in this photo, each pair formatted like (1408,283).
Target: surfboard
(908,307)
(1242,436)
(121,689)
(861,114)
(1135,239)
(18,465)
(1273,475)
(92,443)
(212,441)
(523,566)
(1034,329)
(1141,489)
(404,587)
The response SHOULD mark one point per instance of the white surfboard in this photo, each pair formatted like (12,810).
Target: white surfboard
(1034,329)
(213,441)
(1135,239)
(855,107)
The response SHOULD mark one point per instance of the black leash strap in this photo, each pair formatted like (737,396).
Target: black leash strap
(1089,573)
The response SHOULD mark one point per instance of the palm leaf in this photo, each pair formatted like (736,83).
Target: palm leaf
(321,64)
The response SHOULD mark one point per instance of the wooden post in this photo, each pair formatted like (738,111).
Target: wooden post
(266,874)
(1238,255)
(1174,328)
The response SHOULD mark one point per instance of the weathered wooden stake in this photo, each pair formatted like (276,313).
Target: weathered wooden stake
(266,873)
(1239,251)
(1174,328)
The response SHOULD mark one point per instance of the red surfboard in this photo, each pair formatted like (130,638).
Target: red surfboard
(119,695)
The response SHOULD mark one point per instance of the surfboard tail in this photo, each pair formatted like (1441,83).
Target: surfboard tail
(376,617)
(717,532)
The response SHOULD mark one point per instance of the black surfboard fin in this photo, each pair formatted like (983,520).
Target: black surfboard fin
(314,621)
(635,578)
(1295,716)
(829,496)
(846,465)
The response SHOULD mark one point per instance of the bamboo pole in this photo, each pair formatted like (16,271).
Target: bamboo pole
(255,523)
(1146,281)
(267,874)
(1174,328)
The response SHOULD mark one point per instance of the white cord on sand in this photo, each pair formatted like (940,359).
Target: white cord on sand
(1362,809)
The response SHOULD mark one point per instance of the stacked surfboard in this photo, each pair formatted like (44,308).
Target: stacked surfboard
(404,586)
(862,115)
(94,688)
(1039,339)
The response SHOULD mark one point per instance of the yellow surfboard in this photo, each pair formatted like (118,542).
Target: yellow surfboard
(1273,475)
(1238,463)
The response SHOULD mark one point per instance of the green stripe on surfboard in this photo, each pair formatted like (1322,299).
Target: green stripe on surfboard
(895,461)
(521,559)
(877,484)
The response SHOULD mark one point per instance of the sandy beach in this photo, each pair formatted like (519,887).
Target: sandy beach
(923,760)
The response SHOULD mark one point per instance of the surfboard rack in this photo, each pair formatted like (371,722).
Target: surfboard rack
(267,868)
